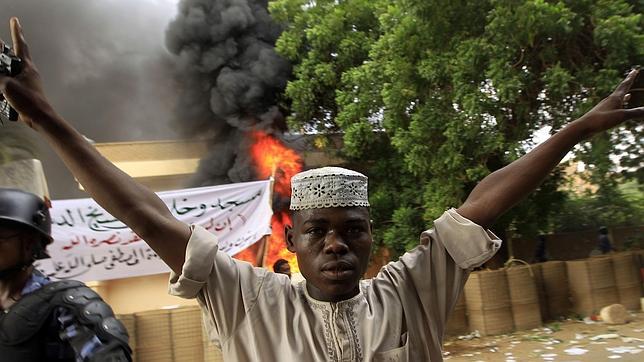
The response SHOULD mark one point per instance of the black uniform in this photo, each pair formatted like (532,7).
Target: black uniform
(52,321)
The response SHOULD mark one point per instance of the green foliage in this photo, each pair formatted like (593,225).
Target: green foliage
(436,94)
(554,326)
(325,39)
(623,206)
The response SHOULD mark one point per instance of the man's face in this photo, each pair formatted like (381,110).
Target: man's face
(11,246)
(332,247)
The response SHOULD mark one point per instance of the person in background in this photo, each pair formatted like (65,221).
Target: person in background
(42,320)
(281,266)
(603,241)
(541,251)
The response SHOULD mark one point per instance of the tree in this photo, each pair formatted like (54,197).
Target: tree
(438,93)
(624,207)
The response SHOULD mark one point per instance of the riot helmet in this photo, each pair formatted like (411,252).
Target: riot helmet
(23,209)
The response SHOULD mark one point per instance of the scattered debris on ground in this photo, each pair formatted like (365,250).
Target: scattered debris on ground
(569,340)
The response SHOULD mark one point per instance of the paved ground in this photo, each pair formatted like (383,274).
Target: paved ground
(560,341)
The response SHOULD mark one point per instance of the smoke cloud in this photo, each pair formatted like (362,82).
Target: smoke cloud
(229,77)
(104,66)
(123,70)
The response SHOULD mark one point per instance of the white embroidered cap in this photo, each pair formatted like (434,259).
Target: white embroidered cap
(328,187)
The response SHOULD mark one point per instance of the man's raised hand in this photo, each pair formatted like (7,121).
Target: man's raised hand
(134,204)
(610,112)
(25,91)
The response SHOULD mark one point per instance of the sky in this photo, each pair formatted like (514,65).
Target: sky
(105,69)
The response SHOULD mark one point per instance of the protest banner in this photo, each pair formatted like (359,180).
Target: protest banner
(90,244)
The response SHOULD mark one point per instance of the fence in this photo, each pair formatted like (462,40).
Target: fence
(503,300)
(170,335)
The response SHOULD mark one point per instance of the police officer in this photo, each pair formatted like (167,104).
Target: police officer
(42,320)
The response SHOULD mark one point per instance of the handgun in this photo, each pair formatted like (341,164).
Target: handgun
(10,65)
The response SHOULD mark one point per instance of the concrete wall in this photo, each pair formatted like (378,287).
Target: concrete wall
(138,294)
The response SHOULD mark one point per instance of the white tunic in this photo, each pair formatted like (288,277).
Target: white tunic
(400,315)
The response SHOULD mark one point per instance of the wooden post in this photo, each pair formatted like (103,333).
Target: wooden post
(509,236)
(261,258)
(261,251)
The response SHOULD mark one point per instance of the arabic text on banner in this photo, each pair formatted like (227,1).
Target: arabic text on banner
(90,244)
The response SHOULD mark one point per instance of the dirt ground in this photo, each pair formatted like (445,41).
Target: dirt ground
(569,340)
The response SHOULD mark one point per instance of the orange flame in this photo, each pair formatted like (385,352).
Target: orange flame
(277,244)
(273,158)
(250,254)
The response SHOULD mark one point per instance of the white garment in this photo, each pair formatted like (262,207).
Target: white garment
(400,315)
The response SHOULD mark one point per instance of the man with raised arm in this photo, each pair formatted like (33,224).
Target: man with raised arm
(255,315)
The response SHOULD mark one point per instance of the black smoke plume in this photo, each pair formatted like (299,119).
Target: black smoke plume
(229,79)
(104,68)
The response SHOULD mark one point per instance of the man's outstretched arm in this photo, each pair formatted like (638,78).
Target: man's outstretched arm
(502,189)
(118,193)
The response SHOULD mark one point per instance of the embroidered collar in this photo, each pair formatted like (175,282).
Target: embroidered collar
(347,303)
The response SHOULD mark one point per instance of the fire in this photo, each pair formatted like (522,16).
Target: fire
(277,243)
(250,254)
(273,158)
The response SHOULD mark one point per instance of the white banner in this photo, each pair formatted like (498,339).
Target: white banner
(90,244)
